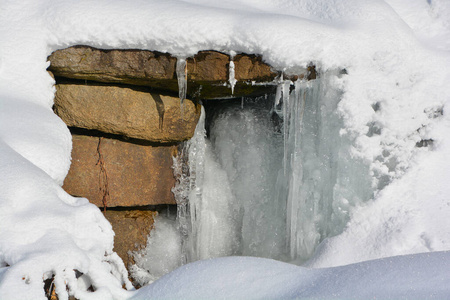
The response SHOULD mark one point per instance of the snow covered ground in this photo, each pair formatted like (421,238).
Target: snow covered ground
(396,54)
(419,276)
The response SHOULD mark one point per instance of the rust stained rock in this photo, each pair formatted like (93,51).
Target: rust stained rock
(137,175)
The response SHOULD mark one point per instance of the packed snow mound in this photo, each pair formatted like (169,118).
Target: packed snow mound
(45,232)
(420,276)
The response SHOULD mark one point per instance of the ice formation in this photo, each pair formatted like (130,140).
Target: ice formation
(318,181)
(181,70)
(231,73)
(271,181)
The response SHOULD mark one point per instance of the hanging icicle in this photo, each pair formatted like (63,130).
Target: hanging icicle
(181,70)
(231,72)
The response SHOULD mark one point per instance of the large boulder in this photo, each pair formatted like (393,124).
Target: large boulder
(111,172)
(207,71)
(131,111)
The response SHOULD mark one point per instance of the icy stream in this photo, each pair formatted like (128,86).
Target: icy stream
(273,178)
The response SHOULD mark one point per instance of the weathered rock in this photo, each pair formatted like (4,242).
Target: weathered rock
(207,72)
(131,228)
(214,66)
(116,173)
(208,75)
(131,111)
(139,67)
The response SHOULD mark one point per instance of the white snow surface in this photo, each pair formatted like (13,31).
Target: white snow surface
(419,276)
(397,60)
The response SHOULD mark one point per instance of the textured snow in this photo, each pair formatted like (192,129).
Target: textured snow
(420,276)
(397,60)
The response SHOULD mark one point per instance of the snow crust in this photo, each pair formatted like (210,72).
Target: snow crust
(395,95)
(419,276)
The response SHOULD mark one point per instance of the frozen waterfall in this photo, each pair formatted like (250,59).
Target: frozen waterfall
(272,178)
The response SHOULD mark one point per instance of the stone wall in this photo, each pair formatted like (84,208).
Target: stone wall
(127,123)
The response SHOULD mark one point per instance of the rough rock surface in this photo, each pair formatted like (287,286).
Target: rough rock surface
(207,71)
(131,228)
(131,111)
(117,173)
(139,67)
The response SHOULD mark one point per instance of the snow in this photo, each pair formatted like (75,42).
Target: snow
(396,93)
(420,276)
(162,253)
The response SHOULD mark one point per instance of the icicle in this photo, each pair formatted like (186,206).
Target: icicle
(278,92)
(286,114)
(181,70)
(295,199)
(231,77)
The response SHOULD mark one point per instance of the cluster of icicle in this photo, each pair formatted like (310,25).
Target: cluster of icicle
(181,71)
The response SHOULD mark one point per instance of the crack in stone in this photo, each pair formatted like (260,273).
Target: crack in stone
(103,176)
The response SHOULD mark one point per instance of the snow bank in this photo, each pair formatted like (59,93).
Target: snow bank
(395,95)
(420,276)
(44,232)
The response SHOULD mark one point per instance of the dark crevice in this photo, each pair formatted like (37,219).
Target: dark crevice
(97,133)
(425,143)
(161,208)
(138,88)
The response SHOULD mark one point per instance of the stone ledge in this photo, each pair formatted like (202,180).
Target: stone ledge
(126,110)
(207,71)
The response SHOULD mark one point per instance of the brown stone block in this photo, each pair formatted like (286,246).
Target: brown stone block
(131,228)
(252,68)
(139,67)
(129,111)
(208,66)
(120,173)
